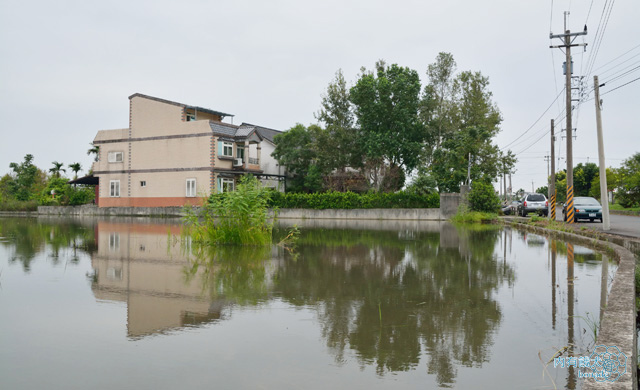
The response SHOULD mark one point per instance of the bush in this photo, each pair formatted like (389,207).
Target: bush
(18,205)
(238,217)
(351,200)
(483,198)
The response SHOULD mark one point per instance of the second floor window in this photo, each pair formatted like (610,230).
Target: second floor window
(115,157)
(227,149)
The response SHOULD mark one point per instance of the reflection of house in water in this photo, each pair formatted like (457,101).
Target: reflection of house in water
(142,266)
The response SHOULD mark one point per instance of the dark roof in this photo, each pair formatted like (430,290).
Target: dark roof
(201,109)
(223,128)
(264,132)
(89,180)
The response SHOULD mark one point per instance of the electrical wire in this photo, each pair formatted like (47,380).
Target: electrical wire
(620,86)
(534,123)
(621,55)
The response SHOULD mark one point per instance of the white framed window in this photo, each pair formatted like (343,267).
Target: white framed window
(191,188)
(114,241)
(116,157)
(227,149)
(114,188)
(226,185)
(240,152)
(143,183)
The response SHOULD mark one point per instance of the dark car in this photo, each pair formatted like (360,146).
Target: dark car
(533,203)
(511,208)
(585,208)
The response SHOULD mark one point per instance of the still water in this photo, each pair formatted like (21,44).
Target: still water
(124,304)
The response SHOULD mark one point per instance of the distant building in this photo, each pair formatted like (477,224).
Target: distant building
(173,154)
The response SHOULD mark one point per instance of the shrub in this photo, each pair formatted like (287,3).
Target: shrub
(238,217)
(483,198)
(351,200)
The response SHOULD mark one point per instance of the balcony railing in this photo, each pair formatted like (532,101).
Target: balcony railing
(254,161)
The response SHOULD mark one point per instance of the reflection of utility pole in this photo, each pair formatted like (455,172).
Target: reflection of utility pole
(567,39)
(571,381)
(603,284)
(553,284)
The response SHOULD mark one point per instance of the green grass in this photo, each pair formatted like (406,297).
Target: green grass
(235,218)
(618,207)
(474,217)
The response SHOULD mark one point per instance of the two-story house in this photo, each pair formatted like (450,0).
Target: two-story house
(174,154)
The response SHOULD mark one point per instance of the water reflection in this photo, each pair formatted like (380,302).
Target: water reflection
(26,239)
(444,304)
(388,295)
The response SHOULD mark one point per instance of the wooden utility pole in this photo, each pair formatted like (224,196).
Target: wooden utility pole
(552,180)
(604,194)
(567,38)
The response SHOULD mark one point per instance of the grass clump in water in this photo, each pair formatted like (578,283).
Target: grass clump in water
(238,217)
(474,217)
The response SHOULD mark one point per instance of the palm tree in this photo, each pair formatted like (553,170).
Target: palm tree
(75,167)
(95,149)
(57,167)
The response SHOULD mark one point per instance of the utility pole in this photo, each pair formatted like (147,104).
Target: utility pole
(567,39)
(604,194)
(552,180)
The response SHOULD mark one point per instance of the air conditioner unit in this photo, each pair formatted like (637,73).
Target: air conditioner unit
(237,162)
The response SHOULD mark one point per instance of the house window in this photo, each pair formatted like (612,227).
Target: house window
(191,117)
(116,157)
(114,241)
(191,188)
(143,183)
(240,152)
(227,149)
(227,185)
(114,188)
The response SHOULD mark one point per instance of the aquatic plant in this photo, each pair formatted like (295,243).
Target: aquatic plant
(238,217)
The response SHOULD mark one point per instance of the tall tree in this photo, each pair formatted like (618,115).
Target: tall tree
(459,112)
(75,167)
(386,106)
(26,175)
(629,182)
(95,150)
(338,144)
(296,149)
(439,111)
(56,169)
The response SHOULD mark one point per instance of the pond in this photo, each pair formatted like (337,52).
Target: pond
(124,303)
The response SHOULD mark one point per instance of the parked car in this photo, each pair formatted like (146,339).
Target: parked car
(585,207)
(511,208)
(533,203)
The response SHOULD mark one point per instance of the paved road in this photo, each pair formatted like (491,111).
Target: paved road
(625,225)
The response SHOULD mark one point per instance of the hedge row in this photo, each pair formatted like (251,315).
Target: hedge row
(351,200)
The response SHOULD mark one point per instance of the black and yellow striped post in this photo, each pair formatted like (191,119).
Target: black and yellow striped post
(568,208)
(553,206)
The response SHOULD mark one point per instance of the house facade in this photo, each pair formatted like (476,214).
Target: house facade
(173,154)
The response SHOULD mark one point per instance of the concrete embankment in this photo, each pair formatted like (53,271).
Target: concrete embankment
(618,325)
(357,214)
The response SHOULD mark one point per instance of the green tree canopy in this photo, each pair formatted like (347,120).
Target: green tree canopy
(629,182)
(297,149)
(386,106)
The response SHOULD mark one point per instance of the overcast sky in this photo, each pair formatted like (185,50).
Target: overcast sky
(68,67)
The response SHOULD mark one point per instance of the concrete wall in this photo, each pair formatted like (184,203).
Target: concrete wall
(363,214)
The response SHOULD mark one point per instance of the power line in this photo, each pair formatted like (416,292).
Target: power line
(618,87)
(621,55)
(536,121)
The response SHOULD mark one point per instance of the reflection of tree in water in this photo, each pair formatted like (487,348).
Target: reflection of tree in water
(29,237)
(231,273)
(388,298)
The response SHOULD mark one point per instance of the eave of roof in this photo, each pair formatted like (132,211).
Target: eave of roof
(201,109)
